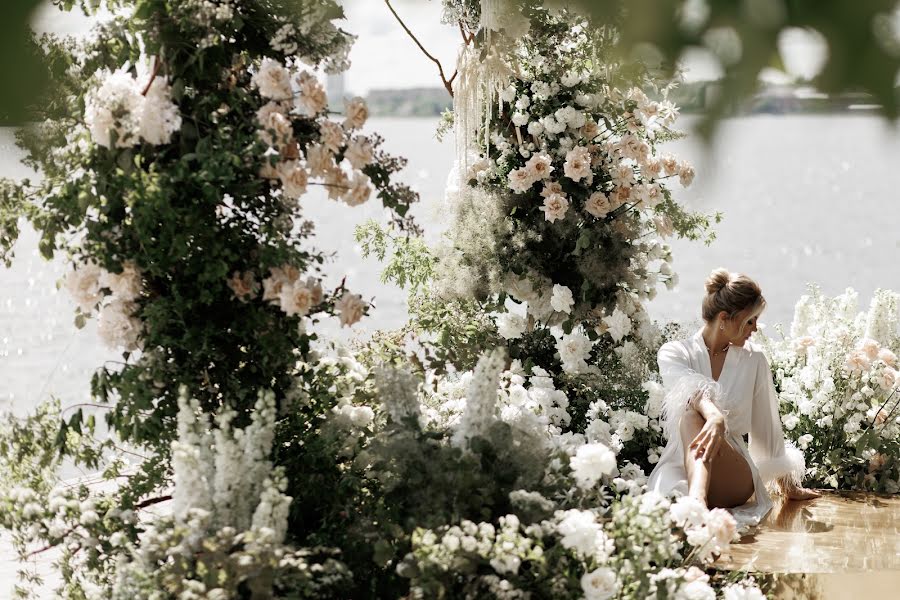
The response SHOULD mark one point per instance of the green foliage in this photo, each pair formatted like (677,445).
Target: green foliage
(411,264)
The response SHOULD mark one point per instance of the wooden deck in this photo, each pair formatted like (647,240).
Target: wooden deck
(842,545)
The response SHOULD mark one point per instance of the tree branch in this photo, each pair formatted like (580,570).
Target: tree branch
(447,83)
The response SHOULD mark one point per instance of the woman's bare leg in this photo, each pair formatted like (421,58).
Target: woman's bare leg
(726,481)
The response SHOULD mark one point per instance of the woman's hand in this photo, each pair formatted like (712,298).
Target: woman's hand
(796,492)
(708,442)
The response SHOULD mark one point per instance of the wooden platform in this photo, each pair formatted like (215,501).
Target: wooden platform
(842,545)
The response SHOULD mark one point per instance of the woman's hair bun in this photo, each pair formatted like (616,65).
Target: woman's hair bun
(717,280)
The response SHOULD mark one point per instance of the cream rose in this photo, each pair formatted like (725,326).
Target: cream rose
(555,207)
(320,160)
(331,135)
(598,205)
(278,278)
(578,164)
(294,178)
(312,98)
(520,180)
(243,285)
(84,286)
(272,80)
(359,152)
(360,190)
(350,308)
(539,166)
(296,299)
(356,113)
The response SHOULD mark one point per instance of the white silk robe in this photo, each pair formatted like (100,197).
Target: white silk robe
(745,393)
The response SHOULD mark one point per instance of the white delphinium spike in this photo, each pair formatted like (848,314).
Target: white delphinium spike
(481,398)
(883,317)
(398,389)
(228,481)
(191,459)
(271,513)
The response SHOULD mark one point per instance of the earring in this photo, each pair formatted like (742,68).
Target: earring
(722,326)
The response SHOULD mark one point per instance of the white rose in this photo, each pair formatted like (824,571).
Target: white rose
(126,285)
(117,327)
(618,324)
(511,326)
(561,300)
(362,416)
(535,128)
(599,584)
(520,118)
(590,463)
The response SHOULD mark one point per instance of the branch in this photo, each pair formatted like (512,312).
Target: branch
(447,83)
(152,75)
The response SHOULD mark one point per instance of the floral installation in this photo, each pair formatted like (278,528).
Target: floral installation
(836,372)
(175,156)
(561,188)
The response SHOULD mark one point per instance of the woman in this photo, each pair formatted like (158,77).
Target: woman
(719,388)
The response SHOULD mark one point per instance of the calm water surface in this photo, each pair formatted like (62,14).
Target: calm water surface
(805,199)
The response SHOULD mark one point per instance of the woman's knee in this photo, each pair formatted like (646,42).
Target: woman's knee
(691,423)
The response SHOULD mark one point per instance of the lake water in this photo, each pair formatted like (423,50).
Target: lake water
(805,199)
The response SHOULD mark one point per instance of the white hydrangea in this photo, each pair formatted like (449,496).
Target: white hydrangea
(158,116)
(118,327)
(83,284)
(114,107)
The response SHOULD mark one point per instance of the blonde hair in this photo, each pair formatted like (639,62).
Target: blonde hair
(733,293)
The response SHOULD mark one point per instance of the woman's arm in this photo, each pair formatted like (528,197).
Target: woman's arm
(709,441)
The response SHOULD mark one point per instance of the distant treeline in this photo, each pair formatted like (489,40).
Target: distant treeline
(691,97)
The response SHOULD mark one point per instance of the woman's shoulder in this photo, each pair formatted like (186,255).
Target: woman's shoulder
(754,352)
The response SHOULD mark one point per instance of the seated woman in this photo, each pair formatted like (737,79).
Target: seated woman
(719,388)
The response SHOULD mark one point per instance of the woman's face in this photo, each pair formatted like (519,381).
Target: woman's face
(733,327)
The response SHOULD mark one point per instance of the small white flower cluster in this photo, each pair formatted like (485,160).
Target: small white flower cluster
(117,325)
(294,162)
(710,532)
(208,15)
(840,387)
(504,548)
(131,109)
